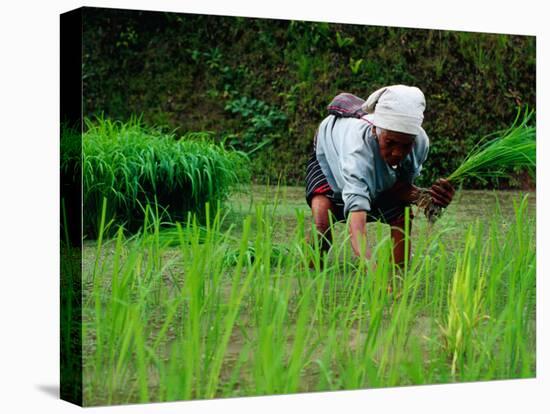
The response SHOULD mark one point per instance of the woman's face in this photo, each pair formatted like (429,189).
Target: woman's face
(394,146)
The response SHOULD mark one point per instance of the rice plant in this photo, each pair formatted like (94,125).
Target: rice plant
(496,156)
(165,321)
(132,165)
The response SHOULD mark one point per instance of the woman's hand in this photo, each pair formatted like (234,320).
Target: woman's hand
(442,192)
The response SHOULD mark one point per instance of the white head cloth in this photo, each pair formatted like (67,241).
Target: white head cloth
(397,108)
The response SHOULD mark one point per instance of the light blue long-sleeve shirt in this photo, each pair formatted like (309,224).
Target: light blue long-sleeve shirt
(349,156)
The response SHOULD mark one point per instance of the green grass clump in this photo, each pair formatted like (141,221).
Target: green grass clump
(132,165)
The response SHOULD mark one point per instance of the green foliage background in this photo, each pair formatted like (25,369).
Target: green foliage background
(263,85)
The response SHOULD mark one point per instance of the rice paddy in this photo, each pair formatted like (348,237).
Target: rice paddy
(230,307)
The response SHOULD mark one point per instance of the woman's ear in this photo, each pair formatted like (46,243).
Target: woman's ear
(374,131)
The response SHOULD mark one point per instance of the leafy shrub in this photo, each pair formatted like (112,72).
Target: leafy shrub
(263,122)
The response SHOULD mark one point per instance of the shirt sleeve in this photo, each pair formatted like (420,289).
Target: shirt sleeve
(357,167)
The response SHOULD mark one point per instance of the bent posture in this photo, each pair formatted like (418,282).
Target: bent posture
(367,155)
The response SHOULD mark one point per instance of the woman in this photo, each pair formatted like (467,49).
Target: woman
(367,155)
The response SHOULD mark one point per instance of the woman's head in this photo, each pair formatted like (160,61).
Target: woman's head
(397,108)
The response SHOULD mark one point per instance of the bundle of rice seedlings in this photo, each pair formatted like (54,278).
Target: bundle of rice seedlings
(495,156)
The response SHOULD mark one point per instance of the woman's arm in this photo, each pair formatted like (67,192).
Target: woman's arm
(403,191)
(358,233)
(442,192)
